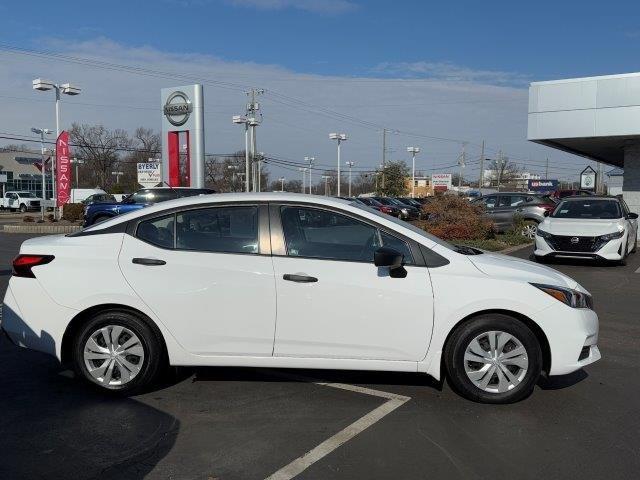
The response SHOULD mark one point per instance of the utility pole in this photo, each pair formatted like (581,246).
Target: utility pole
(281,184)
(350,165)
(499,168)
(310,161)
(384,153)
(481,180)
(413,151)
(304,178)
(461,162)
(326,185)
(546,170)
(253,108)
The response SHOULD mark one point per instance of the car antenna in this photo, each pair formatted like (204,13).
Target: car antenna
(172,189)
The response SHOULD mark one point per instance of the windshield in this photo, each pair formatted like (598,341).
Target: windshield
(408,225)
(588,208)
(26,194)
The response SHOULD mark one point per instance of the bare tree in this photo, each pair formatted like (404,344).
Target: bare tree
(101,149)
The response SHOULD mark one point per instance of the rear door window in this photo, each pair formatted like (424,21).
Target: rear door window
(157,231)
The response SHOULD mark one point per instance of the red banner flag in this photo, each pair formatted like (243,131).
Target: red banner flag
(63,169)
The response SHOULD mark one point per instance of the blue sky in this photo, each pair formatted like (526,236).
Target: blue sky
(469,65)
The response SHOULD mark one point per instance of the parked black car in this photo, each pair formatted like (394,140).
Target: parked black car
(407,212)
(390,209)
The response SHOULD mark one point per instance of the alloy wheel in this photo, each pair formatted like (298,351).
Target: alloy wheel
(496,361)
(113,355)
(529,230)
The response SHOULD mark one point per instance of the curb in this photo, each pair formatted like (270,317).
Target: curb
(515,248)
(40,228)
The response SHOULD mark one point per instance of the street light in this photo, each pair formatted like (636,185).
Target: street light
(233,176)
(282,179)
(42,132)
(76,162)
(413,151)
(67,89)
(326,185)
(339,137)
(350,165)
(117,175)
(304,176)
(240,120)
(310,161)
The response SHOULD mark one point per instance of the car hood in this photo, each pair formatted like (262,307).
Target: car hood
(503,266)
(580,227)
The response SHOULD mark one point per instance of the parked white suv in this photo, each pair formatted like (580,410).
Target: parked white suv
(588,227)
(196,281)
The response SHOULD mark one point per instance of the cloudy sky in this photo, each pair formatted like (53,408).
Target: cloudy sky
(436,74)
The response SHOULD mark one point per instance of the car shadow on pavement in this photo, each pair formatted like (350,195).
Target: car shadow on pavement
(53,426)
(233,374)
(559,382)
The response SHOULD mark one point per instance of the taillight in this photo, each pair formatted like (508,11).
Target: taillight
(23,264)
(385,209)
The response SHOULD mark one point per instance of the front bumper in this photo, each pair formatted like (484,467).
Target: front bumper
(612,250)
(572,334)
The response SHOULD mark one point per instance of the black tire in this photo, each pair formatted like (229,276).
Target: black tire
(151,342)
(100,219)
(23,208)
(463,335)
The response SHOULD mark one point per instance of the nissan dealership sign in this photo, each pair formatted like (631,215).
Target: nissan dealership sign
(177,108)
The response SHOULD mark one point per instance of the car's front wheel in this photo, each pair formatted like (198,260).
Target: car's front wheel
(529,229)
(493,359)
(23,208)
(118,352)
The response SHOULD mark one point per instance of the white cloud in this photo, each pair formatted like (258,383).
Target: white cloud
(314,6)
(450,72)
(470,110)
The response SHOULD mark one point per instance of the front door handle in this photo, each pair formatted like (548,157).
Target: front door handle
(148,261)
(299,278)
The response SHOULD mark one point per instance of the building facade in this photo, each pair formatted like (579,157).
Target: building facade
(23,174)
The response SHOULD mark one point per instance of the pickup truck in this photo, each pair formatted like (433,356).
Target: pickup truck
(99,212)
(22,201)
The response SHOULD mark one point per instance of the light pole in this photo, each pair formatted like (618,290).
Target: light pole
(233,169)
(310,161)
(42,132)
(282,179)
(339,137)
(117,175)
(240,120)
(66,88)
(76,162)
(304,177)
(326,185)
(413,151)
(350,165)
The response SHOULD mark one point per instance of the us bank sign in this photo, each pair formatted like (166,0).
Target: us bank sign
(183,136)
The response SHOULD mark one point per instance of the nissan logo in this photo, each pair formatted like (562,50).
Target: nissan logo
(177,108)
(575,240)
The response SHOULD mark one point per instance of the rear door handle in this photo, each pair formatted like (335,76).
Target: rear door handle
(148,261)
(299,278)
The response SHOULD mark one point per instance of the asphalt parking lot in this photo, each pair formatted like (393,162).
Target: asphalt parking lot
(222,423)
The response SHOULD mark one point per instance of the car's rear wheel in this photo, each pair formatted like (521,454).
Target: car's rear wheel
(118,352)
(493,359)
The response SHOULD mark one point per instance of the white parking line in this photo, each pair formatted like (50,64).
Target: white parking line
(329,445)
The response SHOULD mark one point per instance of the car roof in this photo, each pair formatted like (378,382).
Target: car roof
(590,198)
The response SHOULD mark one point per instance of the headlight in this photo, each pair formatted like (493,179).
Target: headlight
(572,298)
(612,236)
(405,211)
(542,233)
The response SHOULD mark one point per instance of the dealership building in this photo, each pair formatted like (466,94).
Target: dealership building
(20,169)
(597,118)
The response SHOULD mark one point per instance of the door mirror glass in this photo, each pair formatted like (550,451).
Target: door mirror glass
(632,216)
(387,257)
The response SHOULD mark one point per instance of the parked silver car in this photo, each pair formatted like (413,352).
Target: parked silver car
(503,208)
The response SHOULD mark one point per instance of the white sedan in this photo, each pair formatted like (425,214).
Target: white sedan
(293,281)
(588,227)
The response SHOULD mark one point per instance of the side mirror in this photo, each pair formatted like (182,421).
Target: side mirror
(388,257)
(632,216)
(546,213)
